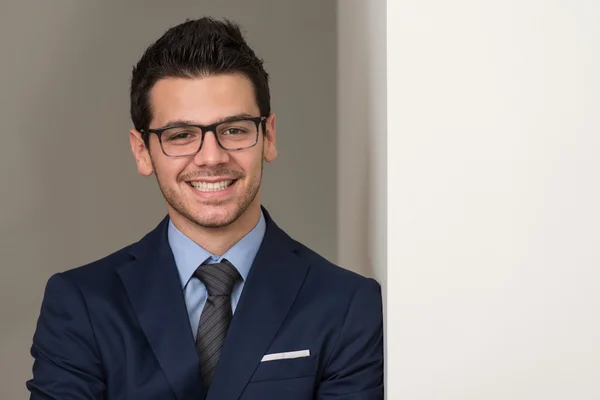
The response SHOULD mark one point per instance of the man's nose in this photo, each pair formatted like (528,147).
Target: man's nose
(211,153)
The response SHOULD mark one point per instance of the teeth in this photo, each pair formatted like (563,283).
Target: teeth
(211,187)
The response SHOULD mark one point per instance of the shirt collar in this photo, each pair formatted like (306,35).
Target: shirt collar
(189,255)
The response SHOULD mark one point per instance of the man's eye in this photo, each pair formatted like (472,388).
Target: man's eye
(181,136)
(234,131)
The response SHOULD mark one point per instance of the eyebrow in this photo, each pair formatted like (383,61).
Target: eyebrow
(230,118)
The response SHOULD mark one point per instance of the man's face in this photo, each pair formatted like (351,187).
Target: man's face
(215,187)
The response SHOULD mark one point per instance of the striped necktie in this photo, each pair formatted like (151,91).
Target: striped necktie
(219,280)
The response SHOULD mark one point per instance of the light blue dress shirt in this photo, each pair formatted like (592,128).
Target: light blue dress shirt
(189,256)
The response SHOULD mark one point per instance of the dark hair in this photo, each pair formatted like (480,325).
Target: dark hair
(196,48)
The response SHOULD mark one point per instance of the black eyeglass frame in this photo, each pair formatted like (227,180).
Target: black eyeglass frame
(262,120)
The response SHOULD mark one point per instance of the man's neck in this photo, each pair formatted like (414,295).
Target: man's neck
(218,240)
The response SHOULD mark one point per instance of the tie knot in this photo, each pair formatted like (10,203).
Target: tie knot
(218,278)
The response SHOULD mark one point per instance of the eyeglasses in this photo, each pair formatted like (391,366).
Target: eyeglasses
(187,140)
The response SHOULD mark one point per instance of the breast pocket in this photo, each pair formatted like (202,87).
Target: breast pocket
(286,369)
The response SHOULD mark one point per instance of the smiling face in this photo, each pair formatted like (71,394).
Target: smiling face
(215,188)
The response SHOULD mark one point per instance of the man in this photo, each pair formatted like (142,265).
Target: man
(217,302)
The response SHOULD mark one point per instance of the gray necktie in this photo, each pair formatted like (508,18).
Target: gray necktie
(219,280)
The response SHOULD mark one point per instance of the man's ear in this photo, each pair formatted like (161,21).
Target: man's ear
(141,153)
(270,136)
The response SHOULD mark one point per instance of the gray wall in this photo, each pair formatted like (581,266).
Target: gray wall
(70,191)
(362,119)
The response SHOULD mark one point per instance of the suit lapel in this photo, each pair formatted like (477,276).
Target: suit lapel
(273,283)
(153,286)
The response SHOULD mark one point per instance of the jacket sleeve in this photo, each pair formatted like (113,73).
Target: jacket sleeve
(66,364)
(355,368)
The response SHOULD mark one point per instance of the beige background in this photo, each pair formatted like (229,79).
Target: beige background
(70,191)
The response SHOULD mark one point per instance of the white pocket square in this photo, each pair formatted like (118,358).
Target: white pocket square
(284,356)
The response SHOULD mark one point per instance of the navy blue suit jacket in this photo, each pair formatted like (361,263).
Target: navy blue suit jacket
(118,329)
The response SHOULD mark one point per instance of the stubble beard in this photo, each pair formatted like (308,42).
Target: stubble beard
(178,203)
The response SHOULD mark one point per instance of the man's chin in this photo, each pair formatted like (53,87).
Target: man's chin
(215,217)
(213,223)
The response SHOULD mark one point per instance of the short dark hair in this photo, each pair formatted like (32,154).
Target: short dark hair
(196,48)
